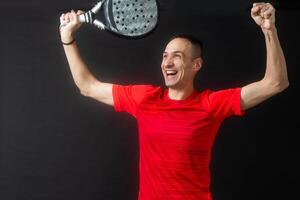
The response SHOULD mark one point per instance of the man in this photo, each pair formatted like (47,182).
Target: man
(177,125)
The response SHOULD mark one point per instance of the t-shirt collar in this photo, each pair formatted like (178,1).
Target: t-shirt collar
(190,97)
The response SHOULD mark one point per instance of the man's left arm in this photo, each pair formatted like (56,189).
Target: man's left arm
(275,79)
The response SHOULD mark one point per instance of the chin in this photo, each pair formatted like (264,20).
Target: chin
(172,82)
(171,85)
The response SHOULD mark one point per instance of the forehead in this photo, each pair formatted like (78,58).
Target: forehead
(179,44)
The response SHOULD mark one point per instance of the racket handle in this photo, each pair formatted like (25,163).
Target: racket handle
(88,18)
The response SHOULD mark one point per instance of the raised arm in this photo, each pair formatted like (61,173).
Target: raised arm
(275,79)
(84,79)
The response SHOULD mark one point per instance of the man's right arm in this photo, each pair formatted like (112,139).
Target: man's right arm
(83,78)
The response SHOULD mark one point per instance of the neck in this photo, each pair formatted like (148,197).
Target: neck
(180,94)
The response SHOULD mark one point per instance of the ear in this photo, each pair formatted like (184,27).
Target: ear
(197,64)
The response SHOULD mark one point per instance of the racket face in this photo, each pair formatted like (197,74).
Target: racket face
(131,18)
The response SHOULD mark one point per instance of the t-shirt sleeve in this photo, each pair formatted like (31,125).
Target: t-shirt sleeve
(127,98)
(225,103)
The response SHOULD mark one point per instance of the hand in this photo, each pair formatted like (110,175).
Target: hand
(264,15)
(69,23)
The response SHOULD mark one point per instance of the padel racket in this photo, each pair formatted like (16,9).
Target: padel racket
(128,18)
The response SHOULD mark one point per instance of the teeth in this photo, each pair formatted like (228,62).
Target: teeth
(171,72)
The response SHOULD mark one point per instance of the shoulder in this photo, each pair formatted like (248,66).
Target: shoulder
(147,89)
(139,91)
(204,94)
(209,93)
(150,90)
(218,99)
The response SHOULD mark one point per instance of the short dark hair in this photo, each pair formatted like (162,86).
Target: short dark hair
(196,43)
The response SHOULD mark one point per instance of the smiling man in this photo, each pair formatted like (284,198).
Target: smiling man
(182,59)
(177,124)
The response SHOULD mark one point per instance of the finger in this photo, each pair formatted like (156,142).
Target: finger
(264,8)
(63,21)
(258,4)
(79,12)
(268,13)
(62,17)
(270,7)
(68,16)
(73,15)
(255,10)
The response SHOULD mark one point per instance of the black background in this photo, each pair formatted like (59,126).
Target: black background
(56,144)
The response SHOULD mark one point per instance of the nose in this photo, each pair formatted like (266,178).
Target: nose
(168,62)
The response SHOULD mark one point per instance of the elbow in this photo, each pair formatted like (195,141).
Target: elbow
(89,88)
(84,89)
(278,86)
(282,85)
(285,85)
(84,92)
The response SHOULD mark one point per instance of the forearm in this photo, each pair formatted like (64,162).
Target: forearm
(276,69)
(83,78)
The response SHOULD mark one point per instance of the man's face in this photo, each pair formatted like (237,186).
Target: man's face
(178,64)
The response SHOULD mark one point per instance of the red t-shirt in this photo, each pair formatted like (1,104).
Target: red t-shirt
(176,138)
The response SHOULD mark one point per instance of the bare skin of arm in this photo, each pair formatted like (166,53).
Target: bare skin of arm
(275,79)
(83,78)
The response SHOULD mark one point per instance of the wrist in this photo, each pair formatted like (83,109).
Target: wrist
(69,42)
(66,37)
(271,30)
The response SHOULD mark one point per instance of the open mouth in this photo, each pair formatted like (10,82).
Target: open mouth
(171,72)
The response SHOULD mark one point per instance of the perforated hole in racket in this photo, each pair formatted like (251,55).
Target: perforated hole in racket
(134,17)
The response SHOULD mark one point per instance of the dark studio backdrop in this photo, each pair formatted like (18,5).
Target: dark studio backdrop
(58,145)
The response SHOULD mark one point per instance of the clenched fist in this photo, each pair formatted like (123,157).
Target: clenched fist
(264,15)
(69,23)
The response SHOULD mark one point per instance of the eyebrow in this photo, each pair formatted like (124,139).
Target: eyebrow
(174,52)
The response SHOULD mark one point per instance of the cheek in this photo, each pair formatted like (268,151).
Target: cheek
(163,63)
(162,68)
(179,64)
